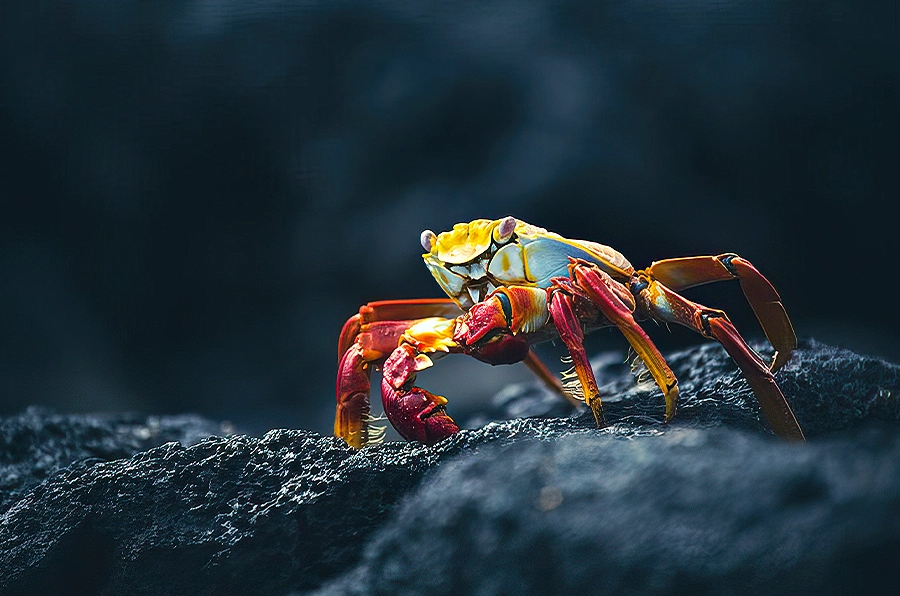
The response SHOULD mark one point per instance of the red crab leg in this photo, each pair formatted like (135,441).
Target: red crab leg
(662,303)
(617,304)
(683,273)
(570,332)
(394,311)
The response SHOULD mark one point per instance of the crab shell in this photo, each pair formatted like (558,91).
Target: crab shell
(473,259)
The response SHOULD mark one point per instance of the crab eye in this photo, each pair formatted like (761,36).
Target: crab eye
(504,231)
(428,238)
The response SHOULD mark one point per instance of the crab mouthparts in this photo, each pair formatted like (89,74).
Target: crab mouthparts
(479,289)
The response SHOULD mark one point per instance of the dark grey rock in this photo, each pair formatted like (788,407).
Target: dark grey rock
(712,503)
(829,388)
(228,515)
(690,512)
(39,442)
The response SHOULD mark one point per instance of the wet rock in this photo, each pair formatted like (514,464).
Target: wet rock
(710,503)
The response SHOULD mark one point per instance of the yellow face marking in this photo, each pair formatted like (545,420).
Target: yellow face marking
(504,261)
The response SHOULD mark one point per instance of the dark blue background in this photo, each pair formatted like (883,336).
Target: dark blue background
(196,194)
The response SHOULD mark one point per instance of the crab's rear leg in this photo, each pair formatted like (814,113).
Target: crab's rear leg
(662,303)
(682,273)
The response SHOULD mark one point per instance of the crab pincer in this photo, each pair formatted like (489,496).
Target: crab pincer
(417,414)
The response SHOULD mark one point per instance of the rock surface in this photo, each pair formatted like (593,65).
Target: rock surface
(689,512)
(39,442)
(712,503)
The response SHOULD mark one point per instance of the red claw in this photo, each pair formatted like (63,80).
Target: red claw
(484,333)
(417,414)
(481,319)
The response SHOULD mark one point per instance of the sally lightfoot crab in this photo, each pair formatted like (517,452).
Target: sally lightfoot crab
(511,285)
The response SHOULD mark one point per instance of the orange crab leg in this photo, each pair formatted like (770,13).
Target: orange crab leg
(683,273)
(617,304)
(664,304)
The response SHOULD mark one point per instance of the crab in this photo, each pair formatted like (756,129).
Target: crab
(511,285)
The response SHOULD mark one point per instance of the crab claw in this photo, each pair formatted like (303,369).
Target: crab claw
(417,414)
(484,333)
(482,319)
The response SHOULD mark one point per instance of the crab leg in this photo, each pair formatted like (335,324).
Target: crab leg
(687,272)
(617,304)
(393,311)
(570,332)
(665,304)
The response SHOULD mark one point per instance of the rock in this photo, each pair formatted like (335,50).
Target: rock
(829,389)
(710,503)
(39,442)
(235,514)
(690,512)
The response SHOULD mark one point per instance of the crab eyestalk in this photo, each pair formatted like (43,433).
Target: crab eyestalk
(417,414)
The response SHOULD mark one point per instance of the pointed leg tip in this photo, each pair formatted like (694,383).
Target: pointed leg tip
(671,403)
(597,410)
(792,433)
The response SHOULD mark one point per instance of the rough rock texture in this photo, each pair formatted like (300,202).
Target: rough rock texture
(709,504)
(39,442)
(690,512)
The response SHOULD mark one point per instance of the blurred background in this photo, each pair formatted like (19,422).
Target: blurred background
(197,193)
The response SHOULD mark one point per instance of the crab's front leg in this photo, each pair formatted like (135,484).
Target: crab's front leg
(490,332)
(569,327)
(510,312)
(366,340)
(617,305)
